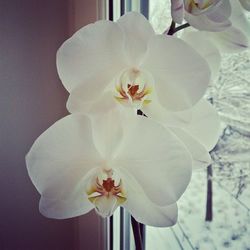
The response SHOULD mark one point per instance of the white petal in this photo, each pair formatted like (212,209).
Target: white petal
(179,84)
(221,12)
(239,19)
(143,209)
(138,31)
(245,4)
(81,98)
(230,40)
(200,42)
(61,157)
(93,52)
(63,209)
(72,205)
(151,153)
(77,102)
(199,153)
(205,124)
(202,121)
(105,206)
(202,22)
(157,112)
(107,132)
(177,10)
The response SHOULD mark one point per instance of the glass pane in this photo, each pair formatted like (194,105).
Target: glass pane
(230,227)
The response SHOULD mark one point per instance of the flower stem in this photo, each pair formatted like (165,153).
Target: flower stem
(171,29)
(142,231)
(137,233)
(209,205)
(174,29)
(181,27)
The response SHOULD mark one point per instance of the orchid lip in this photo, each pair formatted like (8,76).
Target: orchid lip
(105,194)
(192,6)
(133,88)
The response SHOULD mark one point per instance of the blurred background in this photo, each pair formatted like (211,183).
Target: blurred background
(32,99)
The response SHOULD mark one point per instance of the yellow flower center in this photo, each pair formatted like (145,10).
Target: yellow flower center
(191,6)
(105,194)
(133,88)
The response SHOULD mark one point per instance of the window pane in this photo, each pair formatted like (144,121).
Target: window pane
(230,227)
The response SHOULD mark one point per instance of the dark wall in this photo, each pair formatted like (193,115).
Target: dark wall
(31,99)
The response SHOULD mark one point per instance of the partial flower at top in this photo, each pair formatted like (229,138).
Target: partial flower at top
(127,63)
(233,39)
(236,38)
(101,162)
(211,15)
(245,4)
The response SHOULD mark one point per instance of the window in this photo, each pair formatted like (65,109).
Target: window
(226,182)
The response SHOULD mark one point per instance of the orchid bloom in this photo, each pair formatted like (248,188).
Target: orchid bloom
(245,4)
(234,39)
(210,15)
(126,64)
(104,161)
(134,67)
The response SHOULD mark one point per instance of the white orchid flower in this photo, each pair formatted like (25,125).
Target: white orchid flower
(139,70)
(106,161)
(234,39)
(134,67)
(245,4)
(211,15)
